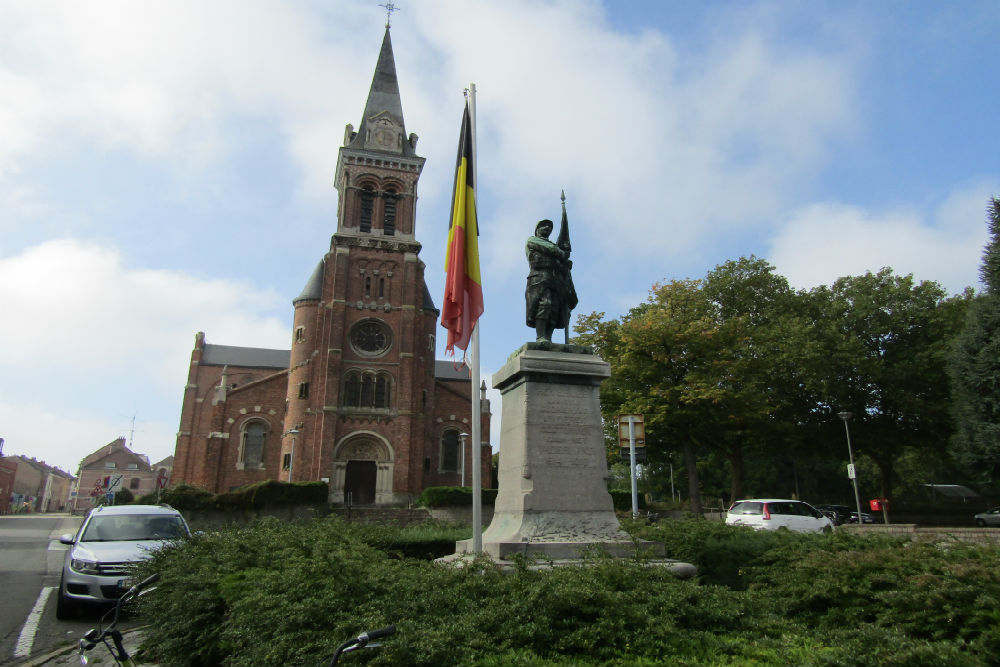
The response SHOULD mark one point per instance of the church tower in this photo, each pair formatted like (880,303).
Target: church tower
(359,401)
(361,374)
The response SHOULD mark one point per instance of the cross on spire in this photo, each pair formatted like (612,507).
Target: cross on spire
(390,7)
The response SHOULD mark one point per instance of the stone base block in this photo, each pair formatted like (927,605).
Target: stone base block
(563,550)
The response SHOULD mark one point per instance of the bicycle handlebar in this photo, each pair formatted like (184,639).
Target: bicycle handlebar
(148,581)
(366,637)
(362,641)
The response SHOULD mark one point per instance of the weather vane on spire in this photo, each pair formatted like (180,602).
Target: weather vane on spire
(390,7)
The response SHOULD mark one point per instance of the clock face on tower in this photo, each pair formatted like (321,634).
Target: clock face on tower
(370,337)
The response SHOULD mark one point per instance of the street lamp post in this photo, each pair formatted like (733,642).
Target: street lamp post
(851,470)
(461,439)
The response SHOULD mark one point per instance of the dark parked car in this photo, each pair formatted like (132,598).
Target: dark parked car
(841,514)
(838,514)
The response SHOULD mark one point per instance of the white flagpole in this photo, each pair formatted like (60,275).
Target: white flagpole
(476,403)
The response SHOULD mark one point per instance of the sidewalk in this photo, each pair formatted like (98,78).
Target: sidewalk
(69,656)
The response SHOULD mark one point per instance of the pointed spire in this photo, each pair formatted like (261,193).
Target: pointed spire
(382,127)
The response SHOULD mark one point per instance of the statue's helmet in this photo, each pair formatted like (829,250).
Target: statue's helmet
(543,223)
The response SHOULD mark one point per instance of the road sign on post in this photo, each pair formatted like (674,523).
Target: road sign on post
(115,483)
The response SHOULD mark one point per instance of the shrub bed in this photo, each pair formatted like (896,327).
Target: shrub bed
(290,592)
(453,496)
(270,493)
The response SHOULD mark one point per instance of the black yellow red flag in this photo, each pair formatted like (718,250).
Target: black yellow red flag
(463,290)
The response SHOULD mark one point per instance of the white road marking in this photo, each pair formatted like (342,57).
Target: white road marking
(27,636)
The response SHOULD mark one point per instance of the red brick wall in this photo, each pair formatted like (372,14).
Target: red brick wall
(8,469)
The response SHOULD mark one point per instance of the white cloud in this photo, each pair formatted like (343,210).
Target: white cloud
(86,337)
(822,242)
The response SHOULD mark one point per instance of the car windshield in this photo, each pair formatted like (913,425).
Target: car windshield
(133,527)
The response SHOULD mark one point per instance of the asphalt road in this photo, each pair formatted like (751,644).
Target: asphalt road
(31,560)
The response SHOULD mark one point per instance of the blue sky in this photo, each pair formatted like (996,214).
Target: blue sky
(166,167)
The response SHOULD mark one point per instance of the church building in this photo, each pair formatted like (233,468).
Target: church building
(359,400)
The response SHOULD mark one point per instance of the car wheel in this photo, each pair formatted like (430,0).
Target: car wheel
(828,529)
(65,608)
(980,523)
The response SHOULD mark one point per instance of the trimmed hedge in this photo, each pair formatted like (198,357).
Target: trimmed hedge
(461,496)
(270,493)
(453,496)
(288,592)
(623,500)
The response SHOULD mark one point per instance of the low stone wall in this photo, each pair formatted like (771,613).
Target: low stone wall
(399,516)
(977,535)
(460,514)
(207,519)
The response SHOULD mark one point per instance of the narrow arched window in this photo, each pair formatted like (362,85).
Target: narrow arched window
(367,389)
(367,206)
(389,218)
(352,390)
(449,450)
(254,435)
(381,392)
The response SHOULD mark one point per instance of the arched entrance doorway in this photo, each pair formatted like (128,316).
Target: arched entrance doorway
(359,482)
(362,470)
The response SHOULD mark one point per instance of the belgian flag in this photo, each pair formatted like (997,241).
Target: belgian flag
(463,290)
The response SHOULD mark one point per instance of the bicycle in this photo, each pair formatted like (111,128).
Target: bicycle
(361,641)
(111,636)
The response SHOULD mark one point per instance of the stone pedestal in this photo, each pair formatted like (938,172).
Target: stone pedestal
(552,499)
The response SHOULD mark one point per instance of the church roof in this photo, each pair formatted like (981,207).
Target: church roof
(448,370)
(313,291)
(383,100)
(428,303)
(256,357)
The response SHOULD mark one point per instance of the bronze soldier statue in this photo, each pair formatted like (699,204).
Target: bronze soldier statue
(550,295)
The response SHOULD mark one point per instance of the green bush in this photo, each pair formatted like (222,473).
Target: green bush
(623,500)
(182,497)
(453,496)
(124,497)
(289,592)
(270,493)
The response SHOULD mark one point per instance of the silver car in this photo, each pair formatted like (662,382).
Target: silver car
(990,518)
(110,538)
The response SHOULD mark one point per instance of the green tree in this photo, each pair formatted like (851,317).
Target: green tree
(711,363)
(653,352)
(763,348)
(974,367)
(887,340)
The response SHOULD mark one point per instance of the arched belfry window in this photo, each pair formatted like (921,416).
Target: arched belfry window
(367,208)
(389,215)
(367,390)
(253,437)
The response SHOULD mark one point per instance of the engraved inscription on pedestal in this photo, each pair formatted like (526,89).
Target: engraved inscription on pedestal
(552,497)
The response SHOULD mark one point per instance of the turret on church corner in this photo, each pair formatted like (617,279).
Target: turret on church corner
(359,401)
